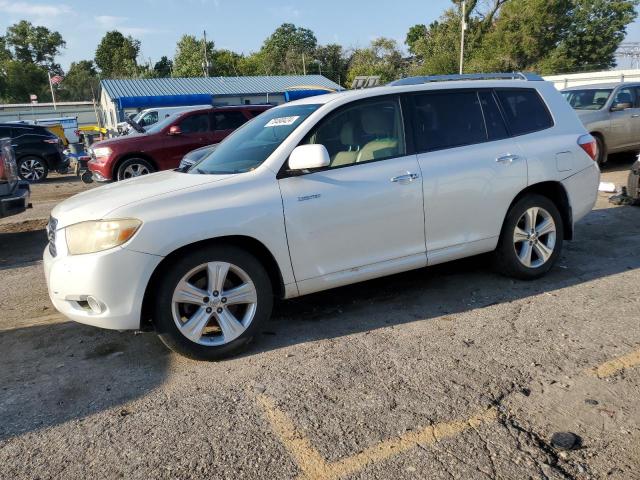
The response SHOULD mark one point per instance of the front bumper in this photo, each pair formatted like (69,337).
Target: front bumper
(117,278)
(101,170)
(17,201)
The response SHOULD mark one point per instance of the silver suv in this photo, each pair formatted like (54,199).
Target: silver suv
(611,113)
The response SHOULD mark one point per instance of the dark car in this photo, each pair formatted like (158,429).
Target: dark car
(163,145)
(14,193)
(194,156)
(37,150)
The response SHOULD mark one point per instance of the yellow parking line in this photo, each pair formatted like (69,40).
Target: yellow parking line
(313,466)
(616,365)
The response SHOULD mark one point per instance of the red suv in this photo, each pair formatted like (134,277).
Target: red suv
(163,145)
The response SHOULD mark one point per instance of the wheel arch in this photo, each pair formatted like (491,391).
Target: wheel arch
(128,156)
(555,192)
(250,244)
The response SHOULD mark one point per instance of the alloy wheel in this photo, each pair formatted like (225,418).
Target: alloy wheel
(214,303)
(134,170)
(32,169)
(534,237)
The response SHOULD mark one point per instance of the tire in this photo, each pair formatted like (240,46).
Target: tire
(134,167)
(212,333)
(33,169)
(545,248)
(602,155)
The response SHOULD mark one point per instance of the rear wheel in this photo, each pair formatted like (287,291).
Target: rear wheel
(134,167)
(633,182)
(33,169)
(531,238)
(211,302)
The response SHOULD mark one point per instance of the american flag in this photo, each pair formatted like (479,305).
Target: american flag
(57,79)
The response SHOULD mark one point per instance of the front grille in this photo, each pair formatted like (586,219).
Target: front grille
(51,235)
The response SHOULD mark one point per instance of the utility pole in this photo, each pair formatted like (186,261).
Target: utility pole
(205,63)
(304,67)
(53,95)
(463,28)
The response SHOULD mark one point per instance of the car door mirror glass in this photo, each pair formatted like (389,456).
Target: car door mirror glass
(309,157)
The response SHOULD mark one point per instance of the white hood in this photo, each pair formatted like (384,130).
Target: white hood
(96,204)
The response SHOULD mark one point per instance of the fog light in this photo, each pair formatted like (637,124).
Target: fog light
(94,304)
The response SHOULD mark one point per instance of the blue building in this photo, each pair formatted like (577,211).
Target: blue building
(120,97)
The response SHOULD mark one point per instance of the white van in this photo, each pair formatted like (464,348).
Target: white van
(150,116)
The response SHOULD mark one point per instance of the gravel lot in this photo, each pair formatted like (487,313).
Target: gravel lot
(446,372)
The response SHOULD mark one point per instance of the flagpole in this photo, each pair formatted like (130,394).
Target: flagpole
(53,97)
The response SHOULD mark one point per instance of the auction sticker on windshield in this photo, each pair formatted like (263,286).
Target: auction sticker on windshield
(282,121)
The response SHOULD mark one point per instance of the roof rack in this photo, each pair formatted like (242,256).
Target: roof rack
(467,76)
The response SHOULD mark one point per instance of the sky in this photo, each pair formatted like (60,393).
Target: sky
(239,25)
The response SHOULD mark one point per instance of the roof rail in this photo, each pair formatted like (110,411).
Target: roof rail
(467,76)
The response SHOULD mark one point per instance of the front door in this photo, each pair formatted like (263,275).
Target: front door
(194,131)
(366,209)
(625,123)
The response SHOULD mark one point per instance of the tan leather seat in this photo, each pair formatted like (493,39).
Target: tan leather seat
(375,123)
(347,138)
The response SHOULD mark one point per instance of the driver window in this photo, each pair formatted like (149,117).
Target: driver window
(361,133)
(195,123)
(626,95)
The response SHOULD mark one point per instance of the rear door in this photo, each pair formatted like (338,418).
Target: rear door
(471,169)
(194,133)
(225,122)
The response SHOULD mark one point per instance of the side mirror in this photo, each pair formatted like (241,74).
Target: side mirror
(308,157)
(616,107)
(175,130)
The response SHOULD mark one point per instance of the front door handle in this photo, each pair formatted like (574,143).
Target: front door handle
(407,178)
(507,158)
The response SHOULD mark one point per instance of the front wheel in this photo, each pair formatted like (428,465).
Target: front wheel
(134,167)
(211,302)
(531,238)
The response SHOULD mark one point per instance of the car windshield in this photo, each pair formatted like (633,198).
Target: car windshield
(588,99)
(250,145)
(157,127)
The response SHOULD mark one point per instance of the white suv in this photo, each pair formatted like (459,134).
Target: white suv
(324,192)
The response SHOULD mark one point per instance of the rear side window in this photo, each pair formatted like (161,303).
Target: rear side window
(5,132)
(496,129)
(447,119)
(524,110)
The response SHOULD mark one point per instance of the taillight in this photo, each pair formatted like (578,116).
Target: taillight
(51,140)
(589,145)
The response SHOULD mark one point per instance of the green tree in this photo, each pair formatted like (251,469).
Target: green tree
(333,62)
(163,67)
(189,58)
(226,63)
(21,79)
(288,49)
(80,83)
(34,44)
(116,55)
(381,58)
(415,34)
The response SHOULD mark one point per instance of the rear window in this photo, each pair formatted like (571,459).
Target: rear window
(447,119)
(524,110)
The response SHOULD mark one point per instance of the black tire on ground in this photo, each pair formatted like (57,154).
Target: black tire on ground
(602,151)
(633,182)
(505,257)
(33,169)
(163,316)
(134,167)
(86,176)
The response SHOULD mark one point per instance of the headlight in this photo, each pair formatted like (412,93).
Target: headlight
(102,152)
(95,236)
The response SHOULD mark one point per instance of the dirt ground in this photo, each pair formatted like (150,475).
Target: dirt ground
(444,372)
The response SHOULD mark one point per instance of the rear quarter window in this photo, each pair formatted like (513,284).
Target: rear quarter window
(524,110)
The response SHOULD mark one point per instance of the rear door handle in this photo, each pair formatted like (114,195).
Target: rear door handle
(407,178)
(507,158)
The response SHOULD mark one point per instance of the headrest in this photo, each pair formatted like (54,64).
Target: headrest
(374,122)
(346,134)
